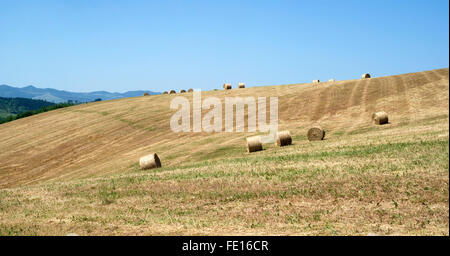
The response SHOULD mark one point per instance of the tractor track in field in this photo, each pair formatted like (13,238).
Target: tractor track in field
(321,99)
(359,98)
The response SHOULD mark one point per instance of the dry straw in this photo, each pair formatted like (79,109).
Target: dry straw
(150,162)
(227,87)
(331,80)
(191,90)
(146,94)
(241,85)
(254,144)
(165,92)
(172,92)
(316,81)
(182,91)
(284,138)
(316,133)
(380,118)
(364,76)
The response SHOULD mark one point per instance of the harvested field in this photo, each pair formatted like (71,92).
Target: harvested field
(76,170)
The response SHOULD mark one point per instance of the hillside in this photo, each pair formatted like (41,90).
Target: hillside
(78,166)
(58,96)
(13,106)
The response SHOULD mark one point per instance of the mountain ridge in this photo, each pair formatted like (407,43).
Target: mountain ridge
(58,96)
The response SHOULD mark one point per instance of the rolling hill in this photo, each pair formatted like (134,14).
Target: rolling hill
(58,96)
(75,169)
(13,106)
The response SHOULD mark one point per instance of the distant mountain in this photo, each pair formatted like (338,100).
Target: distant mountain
(58,96)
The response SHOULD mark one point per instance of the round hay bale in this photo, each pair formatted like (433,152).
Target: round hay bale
(380,118)
(227,87)
(284,138)
(191,90)
(172,92)
(149,162)
(254,144)
(316,133)
(182,91)
(316,81)
(146,94)
(331,80)
(364,76)
(241,85)
(165,92)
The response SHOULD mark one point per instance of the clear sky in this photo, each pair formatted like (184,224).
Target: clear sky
(88,45)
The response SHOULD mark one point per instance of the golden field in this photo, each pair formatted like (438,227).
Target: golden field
(75,170)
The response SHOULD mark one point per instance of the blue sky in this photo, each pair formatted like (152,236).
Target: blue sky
(161,45)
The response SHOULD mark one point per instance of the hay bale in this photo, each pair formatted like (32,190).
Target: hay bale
(165,92)
(331,80)
(182,91)
(146,94)
(284,138)
(227,87)
(316,81)
(316,133)
(191,90)
(241,85)
(380,118)
(149,162)
(254,144)
(364,76)
(172,92)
